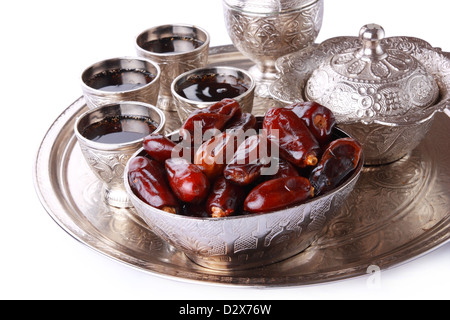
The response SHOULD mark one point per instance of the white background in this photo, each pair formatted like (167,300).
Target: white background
(46,44)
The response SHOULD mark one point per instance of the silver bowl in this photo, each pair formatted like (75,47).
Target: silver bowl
(229,75)
(243,242)
(266,30)
(385,138)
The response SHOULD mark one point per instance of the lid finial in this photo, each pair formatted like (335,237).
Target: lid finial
(371,36)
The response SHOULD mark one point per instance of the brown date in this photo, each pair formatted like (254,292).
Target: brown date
(187,180)
(250,158)
(197,210)
(278,194)
(225,199)
(148,182)
(285,169)
(339,159)
(213,117)
(319,119)
(243,122)
(159,147)
(297,143)
(213,155)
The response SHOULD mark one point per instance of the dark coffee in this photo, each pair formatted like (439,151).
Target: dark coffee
(211,88)
(121,129)
(172,44)
(120,80)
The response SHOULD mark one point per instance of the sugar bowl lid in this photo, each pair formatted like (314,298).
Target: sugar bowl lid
(371,81)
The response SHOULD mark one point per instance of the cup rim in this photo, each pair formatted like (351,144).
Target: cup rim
(140,49)
(142,59)
(110,146)
(214,69)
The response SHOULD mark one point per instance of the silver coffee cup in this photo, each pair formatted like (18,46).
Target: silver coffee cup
(176,48)
(107,160)
(235,77)
(121,79)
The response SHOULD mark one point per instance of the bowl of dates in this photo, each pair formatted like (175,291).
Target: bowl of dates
(234,192)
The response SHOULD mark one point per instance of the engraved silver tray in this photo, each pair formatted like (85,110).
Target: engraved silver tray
(396,212)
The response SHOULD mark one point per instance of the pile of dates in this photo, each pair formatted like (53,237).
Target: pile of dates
(226,163)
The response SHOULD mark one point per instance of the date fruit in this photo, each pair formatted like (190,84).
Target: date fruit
(195,210)
(187,180)
(285,169)
(249,160)
(225,199)
(213,155)
(159,147)
(243,122)
(339,159)
(213,117)
(278,194)
(319,119)
(147,180)
(297,143)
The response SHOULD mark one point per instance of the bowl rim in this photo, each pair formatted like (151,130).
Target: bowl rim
(352,178)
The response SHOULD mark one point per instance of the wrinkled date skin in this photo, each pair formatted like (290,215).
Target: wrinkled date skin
(159,147)
(187,180)
(213,117)
(244,122)
(225,200)
(297,143)
(213,155)
(147,180)
(248,161)
(278,194)
(319,119)
(339,159)
(285,170)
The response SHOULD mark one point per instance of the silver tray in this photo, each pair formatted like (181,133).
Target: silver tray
(396,212)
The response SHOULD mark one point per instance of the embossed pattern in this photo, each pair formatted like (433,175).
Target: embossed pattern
(109,166)
(386,138)
(265,37)
(95,98)
(245,242)
(371,81)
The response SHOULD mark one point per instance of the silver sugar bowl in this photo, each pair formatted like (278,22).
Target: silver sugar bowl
(370,82)
(383,91)
(265,30)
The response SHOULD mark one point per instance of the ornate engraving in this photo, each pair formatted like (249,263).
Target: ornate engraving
(389,118)
(108,166)
(225,243)
(266,35)
(382,81)
(260,36)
